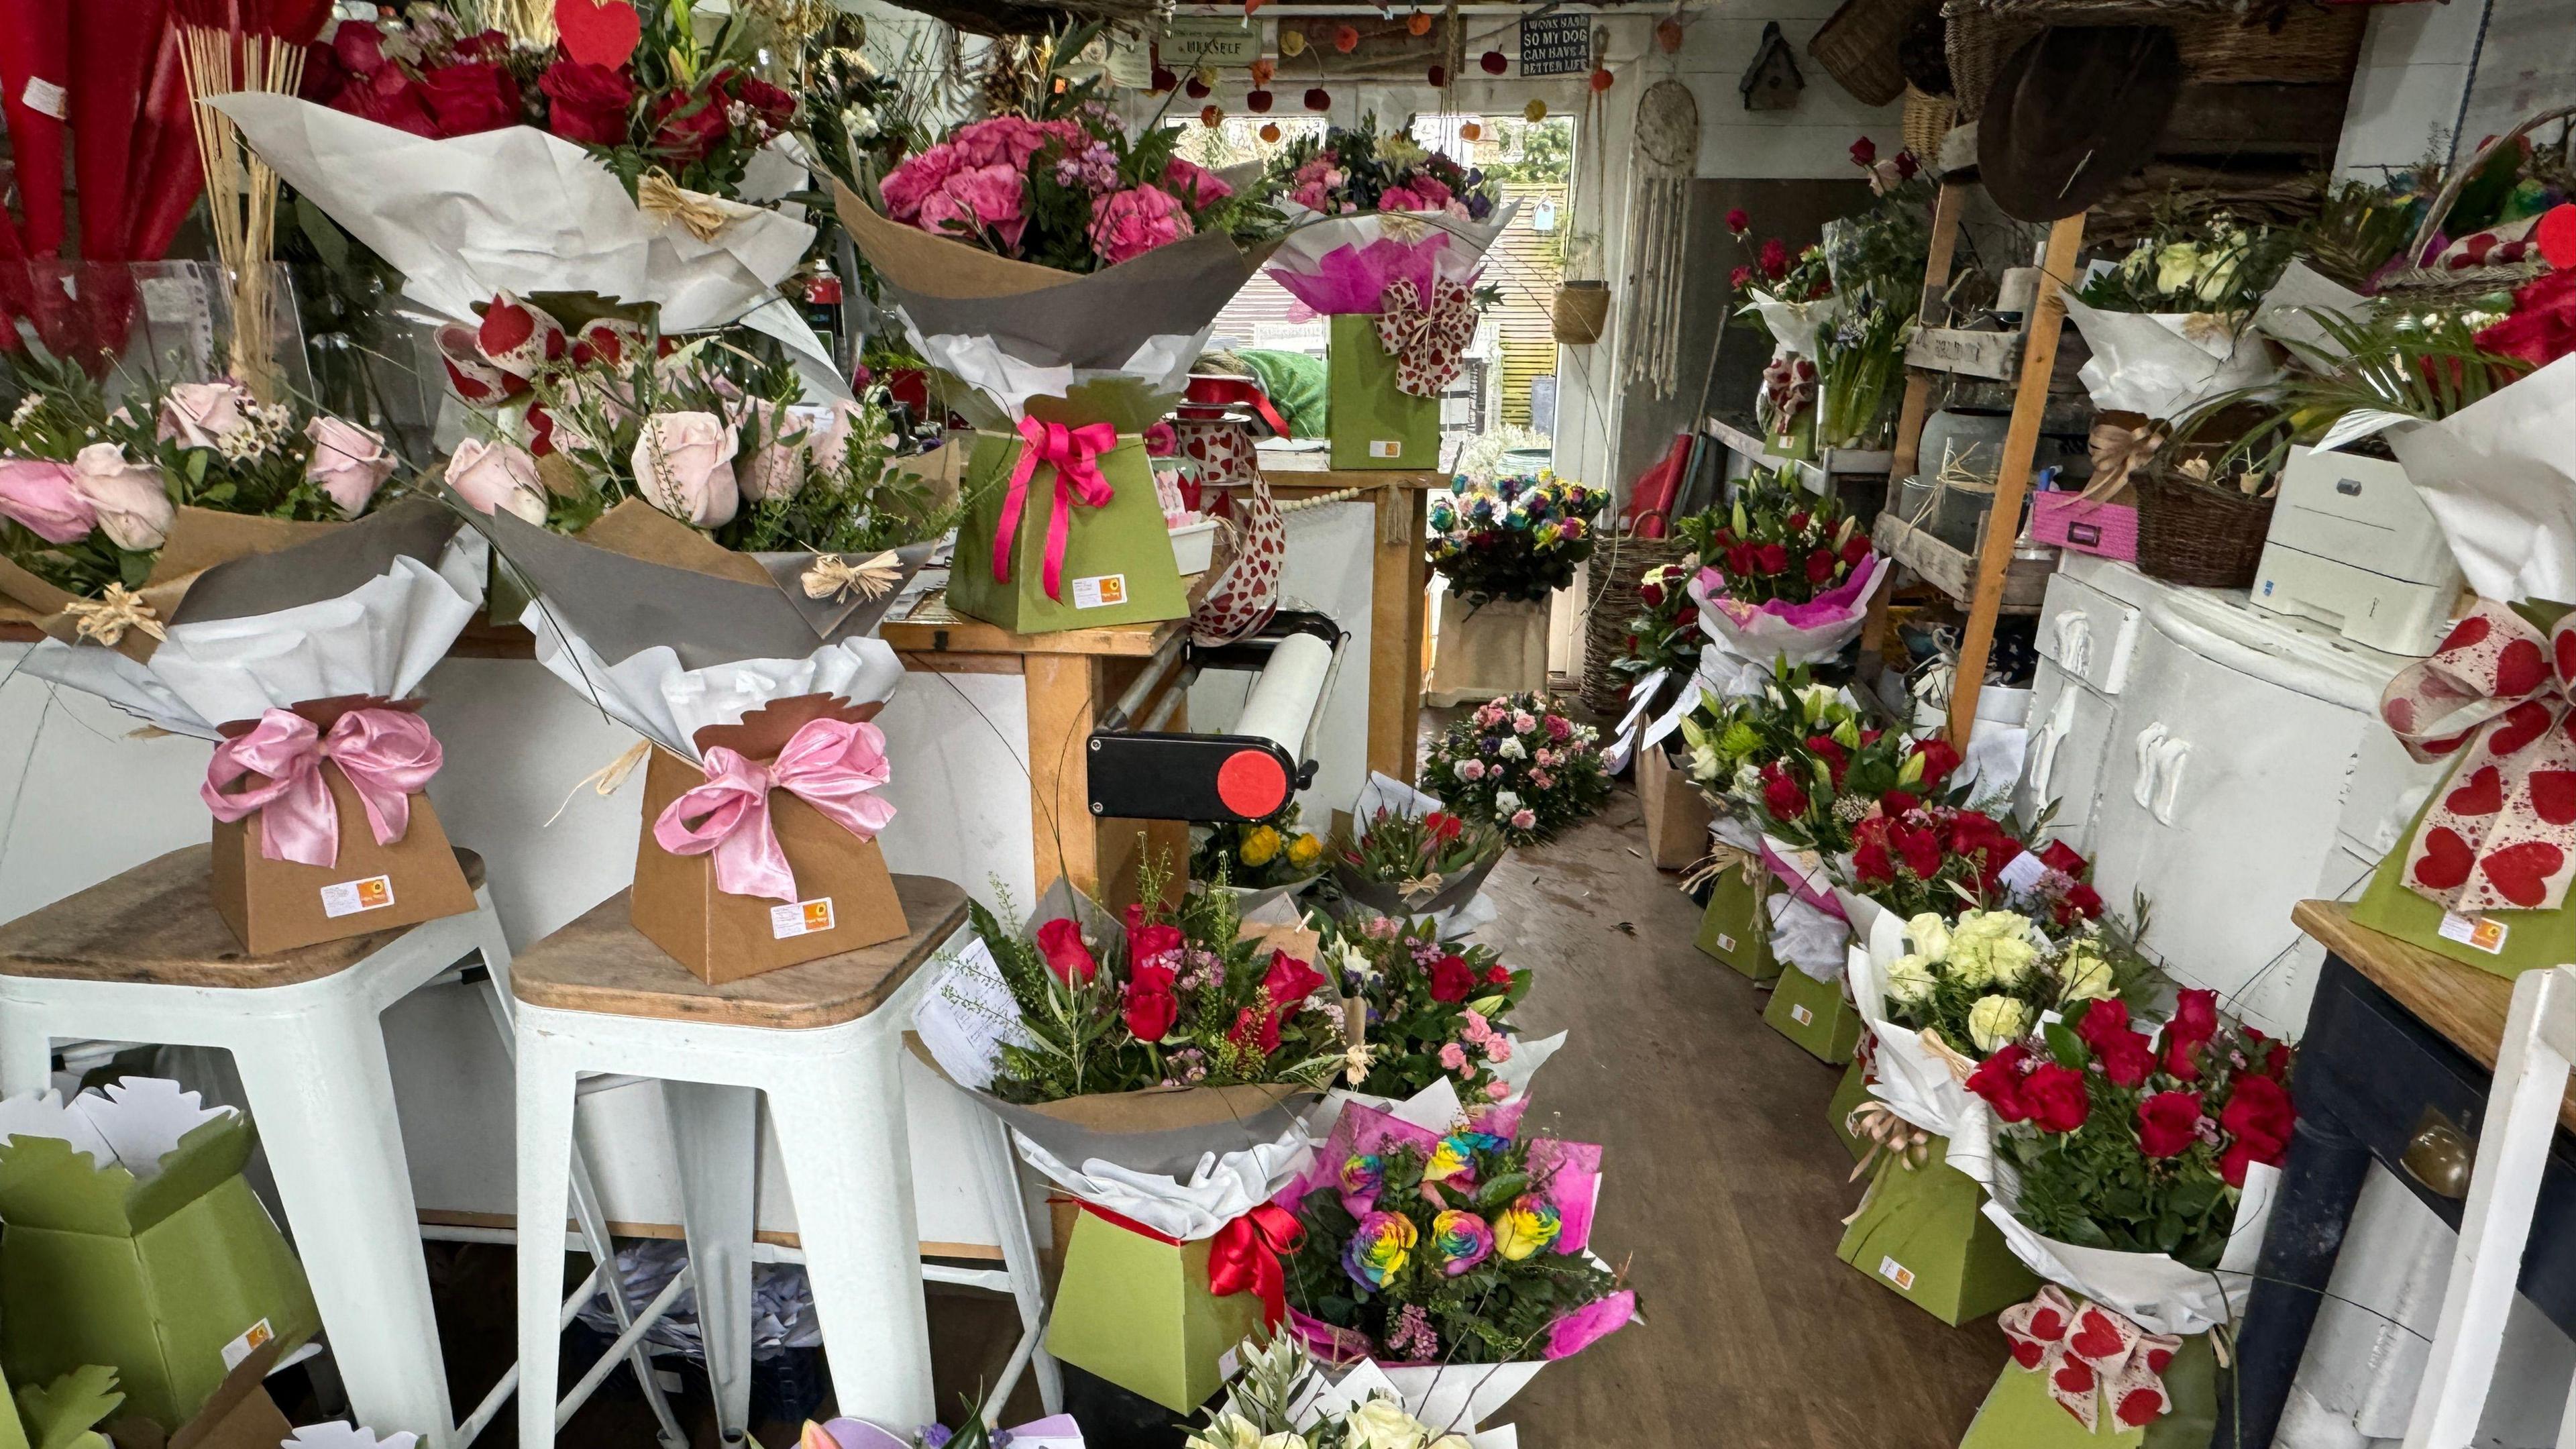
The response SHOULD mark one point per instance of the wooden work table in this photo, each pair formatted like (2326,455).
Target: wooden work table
(2394,1067)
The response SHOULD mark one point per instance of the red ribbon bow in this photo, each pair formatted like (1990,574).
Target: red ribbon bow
(1074,454)
(1243,1257)
(387,756)
(2501,834)
(2091,1356)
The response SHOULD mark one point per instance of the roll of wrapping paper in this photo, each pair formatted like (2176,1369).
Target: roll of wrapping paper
(1283,695)
(116,42)
(163,175)
(35,71)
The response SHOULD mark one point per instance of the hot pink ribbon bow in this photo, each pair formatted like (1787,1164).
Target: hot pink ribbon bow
(2501,834)
(830,764)
(2092,1356)
(1074,454)
(387,756)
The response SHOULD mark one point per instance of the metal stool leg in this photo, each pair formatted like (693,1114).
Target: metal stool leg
(715,1133)
(1019,1253)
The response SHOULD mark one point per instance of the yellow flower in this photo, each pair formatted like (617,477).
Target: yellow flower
(1525,1228)
(1260,845)
(1996,1020)
(2087,975)
(1305,850)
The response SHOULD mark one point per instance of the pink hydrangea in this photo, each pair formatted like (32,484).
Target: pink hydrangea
(975,199)
(1009,140)
(1196,184)
(1133,222)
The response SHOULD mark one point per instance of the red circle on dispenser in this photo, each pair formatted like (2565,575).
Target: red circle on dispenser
(1251,784)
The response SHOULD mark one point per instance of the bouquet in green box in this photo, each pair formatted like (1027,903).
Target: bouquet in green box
(1516,539)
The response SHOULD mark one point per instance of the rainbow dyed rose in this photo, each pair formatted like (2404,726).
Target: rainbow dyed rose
(1380,1247)
(1526,1228)
(1460,1240)
(1362,1172)
(1455,1156)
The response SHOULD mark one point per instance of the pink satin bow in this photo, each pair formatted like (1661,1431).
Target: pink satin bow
(386,755)
(1074,454)
(830,764)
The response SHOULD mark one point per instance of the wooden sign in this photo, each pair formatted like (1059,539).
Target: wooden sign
(1995,355)
(1559,44)
(1227,42)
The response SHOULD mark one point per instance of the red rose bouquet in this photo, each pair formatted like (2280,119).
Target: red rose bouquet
(1784,574)
(1412,858)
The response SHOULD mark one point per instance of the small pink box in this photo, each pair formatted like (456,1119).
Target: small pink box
(2070,520)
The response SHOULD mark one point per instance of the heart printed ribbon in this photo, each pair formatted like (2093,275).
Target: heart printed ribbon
(1074,454)
(2092,1357)
(386,755)
(1427,340)
(1243,1257)
(2501,833)
(832,765)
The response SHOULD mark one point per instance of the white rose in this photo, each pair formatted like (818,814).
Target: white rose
(2010,960)
(1512,750)
(1505,802)
(1996,1020)
(1910,979)
(1382,1423)
(2087,976)
(1931,936)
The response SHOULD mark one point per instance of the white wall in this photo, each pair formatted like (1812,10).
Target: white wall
(2416,61)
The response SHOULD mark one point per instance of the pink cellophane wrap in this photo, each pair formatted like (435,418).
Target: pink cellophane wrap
(1758,635)
(1351,278)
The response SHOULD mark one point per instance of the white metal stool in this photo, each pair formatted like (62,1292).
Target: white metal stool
(823,1041)
(143,957)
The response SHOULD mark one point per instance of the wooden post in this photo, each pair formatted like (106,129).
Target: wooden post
(2012,485)
(1067,839)
(1400,581)
(1936,280)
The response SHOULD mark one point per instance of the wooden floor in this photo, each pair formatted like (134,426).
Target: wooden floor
(1722,1191)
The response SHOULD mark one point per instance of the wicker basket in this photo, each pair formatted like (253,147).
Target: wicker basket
(2422,282)
(1857,47)
(2218,41)
(1618,564)
(2189,533)
(1927,120)
(1580,312)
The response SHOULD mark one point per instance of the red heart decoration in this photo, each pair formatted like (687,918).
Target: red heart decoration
(2028,1354)
(2553,795)
(2446,861)
(2565,645)
(2521,872)
(2095,1337)
(2520,669)
(2157,1358)
(2483,795)
(2447,745)
(2522,724)
(2138,1407)
(2556,235)
(2471,630)
(2046,1325)
(505,325)
(598,32)
(2074,1377)
(2399,713)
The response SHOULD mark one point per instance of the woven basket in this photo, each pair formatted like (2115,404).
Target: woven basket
(2421,281)
(1857,47)
(1580,312)
(2218,41)
(1927,120)
(1619,564)
(2189,533)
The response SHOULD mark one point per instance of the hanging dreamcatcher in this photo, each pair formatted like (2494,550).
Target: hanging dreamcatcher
(1667,132)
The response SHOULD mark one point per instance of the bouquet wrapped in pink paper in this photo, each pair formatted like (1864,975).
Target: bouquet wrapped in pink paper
(1367,210)
(1783,575)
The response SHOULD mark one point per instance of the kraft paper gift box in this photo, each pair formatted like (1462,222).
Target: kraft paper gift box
(1374,424)
(2020,1413)
(1853,1091)
(1677,815)
(1117,568)
(1921,1234)
(1813,1014)
(132,1241)
(1735,928)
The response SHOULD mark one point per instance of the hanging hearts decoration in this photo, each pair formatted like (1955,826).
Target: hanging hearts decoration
(599,32)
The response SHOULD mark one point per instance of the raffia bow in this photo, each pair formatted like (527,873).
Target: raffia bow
(1423,887)
(1427,341)
(705,217)
(1879,1126)
(2501,832)
(2118,452)
(832,576)
(107,617)
(1720,859)
(2092,1357)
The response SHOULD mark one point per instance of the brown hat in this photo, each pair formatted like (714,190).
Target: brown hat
(2072,114)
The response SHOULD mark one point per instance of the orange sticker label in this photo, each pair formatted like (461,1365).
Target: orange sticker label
(349,897)
(803,918)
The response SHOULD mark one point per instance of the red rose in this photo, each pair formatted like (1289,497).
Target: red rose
(1290,981)
(470,97)
(1998,1080)
(2058,856)
(1451,979)
(1775,259)
(1153,943)
(1738,222)
(1906,166)
(1781,795)
(1150,1014)
(1060,942)
(1651,594)
(1824,748)
(1255,1029)
(2081,902)
(387,97)
(1897,802)
(2195,1021)
(1771,559)
(1443,826)
(1498,975)
(1864,151)
(774,107)
(1939,758)
(2102,1021)
(1740,560)
(1974,834)
(1855,548)
(358,49)
(2056,1097)
(1740,278)
(1821,565)
(1798,521)
(590,102)
(1921,850)
(2235,1158)
(2167,1123)
(2258,1111)
(2126,1056)
(687,127)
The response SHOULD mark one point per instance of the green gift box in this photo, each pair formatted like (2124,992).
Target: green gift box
(1735,928)
(2020,1413)
(2507,943)
(1814,1014)
(166,1271)
(1136,1311)
(1853,1092)
(1920,1233)
(1118,566)
(1372,423)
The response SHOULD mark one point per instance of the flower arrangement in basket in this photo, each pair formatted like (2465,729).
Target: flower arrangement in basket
(1436,1010)
(1517,765)
(1406,861)
(1515,539)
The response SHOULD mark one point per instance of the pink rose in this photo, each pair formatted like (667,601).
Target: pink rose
(1397,198)
(1453,1057)
(829,445)
(1135,221)
(1311,196)
(202,414)
(132,503)
(1435,195)
(1523,819)
(349,462)
(1195,184)
(775,468)
(684,465)
(37,494)
(921,174)
(490,476)
(1002,141)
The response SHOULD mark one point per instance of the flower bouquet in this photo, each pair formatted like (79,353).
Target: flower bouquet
(1454,1257)
(1658,659)
(1055,1431)
(2170,325)
(618,161)
(1514,540)
(1282,1401)
(1259,861)
(1856,360)
(1519,766)
(1404,854)
(2136,1170)
(1434,1012)
(1784,576)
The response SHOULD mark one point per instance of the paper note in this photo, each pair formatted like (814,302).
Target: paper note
(2021,874)
(968,1017)
(1100,591)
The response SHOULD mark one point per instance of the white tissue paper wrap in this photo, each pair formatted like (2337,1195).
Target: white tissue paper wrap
(1794,325)
(2161,1294)
(379,639)
(653,695)
(2162,364)
(1913,1080)
(513,210)
(2500,479)
(133,1123)
(1367,1380)
(1162,362)
(1808,938)
(1219,1191)
(346,1436)
(2288,313)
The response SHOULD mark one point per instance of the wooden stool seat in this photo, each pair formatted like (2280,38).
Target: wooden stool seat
(156,925)
(601,963)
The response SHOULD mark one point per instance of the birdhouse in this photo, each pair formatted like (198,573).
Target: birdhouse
(1772,82)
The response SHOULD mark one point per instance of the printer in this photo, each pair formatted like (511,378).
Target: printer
(2353,547)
